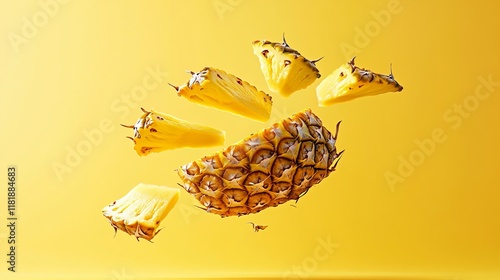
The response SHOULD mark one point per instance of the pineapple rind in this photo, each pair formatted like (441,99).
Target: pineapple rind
(284,68)
(141,210)
(215,88)
(157,132)
(349,82)
(266,169)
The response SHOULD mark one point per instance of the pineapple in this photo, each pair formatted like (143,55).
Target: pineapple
(156,132)
(349,82)
(256,228)
(141,210)
(284,68)
(215,88)
(267,168)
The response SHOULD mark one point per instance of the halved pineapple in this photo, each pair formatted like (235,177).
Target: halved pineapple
(141,210)
(349,82)
(215,88)
(156,132)
(284,68)
(268,168)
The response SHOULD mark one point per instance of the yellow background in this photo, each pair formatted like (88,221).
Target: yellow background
(441,219)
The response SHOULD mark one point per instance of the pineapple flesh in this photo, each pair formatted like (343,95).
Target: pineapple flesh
(266,169)
(156,132)
(215,88)
(284,68)
(350,82)
(141,210)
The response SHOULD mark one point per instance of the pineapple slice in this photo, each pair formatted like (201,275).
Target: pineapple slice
(256,228)
(141,210)
(268,168)
(156,132)
(349,82)
(284,68)
(215,88)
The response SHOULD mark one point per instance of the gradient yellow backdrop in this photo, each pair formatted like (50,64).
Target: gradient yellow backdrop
(415,195)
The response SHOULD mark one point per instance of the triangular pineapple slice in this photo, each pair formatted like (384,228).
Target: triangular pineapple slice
(349,82)
(141,210)
(157,132)
(215,88)
(284,68)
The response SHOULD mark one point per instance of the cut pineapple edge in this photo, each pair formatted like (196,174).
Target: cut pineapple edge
(156,132)
(275,165)
(285,69)
(141,210)
(215,88)
(349,82)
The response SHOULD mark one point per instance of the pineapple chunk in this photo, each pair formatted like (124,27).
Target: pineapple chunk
(141,210)
(284,68)
(349,82)
(156,132)
(215,88)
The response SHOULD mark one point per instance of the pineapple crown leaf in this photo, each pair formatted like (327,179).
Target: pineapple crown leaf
(351,63)
(337,129)
(127,125)
(314,61)
(115,228)
(175,87)
(301,195)
(339,156)
(285,44)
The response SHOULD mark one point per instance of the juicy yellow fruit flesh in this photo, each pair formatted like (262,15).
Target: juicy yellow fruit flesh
(284,69)
(349,82)
(215,88)
(156,132)
(141,210)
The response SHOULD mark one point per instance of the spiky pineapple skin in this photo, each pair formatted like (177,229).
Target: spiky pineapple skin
(266,169)
(284,68)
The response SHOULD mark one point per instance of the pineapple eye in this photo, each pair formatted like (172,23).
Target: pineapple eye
(287,62)
(264,53)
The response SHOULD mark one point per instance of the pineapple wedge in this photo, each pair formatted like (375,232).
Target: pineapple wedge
(141,210)
(350,82)
(268,168)
(284,68)
(156,132)
(215,88)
